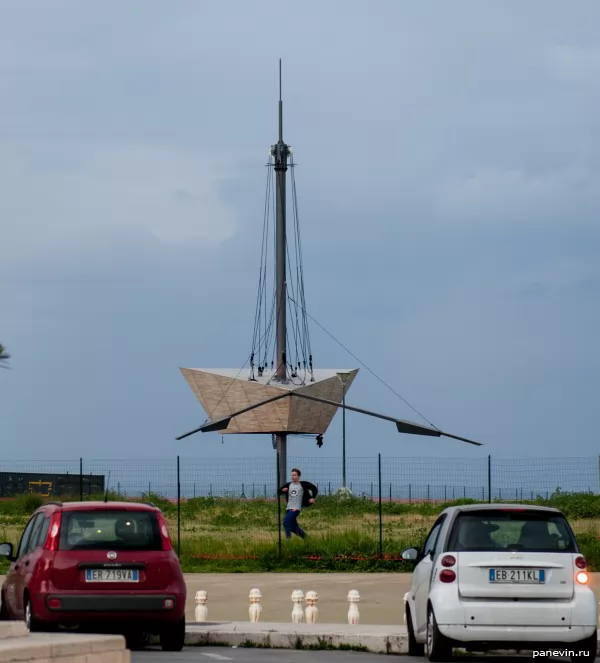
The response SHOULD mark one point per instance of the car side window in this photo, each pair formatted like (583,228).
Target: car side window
(430,543)
(439,544)
(24,544)
(43,532)
(43,522)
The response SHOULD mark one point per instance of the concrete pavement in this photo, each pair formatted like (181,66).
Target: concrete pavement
(380,595)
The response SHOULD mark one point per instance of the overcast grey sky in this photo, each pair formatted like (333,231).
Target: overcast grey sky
(448,189)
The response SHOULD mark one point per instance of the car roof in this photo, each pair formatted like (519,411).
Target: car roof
(496,506)
(103,506)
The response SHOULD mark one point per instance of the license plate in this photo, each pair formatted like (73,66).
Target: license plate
(112,575)
(521,576)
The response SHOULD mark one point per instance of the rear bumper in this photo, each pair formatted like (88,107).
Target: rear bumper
(84,607)
(509,621)
(111,603)
(515,637)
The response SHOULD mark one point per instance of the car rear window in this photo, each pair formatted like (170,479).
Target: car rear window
(109,530)
(518,530)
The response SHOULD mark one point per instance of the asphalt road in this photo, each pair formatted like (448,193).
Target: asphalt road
(208,654)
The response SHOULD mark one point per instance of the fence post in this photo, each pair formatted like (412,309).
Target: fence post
(490,478)
(81,479)
(178,509)
(278,497)
(380,514)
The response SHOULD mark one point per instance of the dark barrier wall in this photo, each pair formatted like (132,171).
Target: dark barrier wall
(50,485)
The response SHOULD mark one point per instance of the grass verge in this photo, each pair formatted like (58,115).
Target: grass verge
(233,535)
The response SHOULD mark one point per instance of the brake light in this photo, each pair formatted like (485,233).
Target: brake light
(53,532)
(164,532)
(580,562)
(582,578)
(448,560)
(447,575)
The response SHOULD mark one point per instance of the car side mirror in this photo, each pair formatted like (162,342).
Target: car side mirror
(410,554)
(6,550)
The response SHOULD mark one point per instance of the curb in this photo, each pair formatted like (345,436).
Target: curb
(377,639)
(374,639)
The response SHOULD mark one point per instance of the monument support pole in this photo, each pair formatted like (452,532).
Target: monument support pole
(281,152)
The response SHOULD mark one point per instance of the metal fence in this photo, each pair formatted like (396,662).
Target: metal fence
(249,523)
(403,479)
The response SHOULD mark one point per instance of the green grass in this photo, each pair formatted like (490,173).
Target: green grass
(234,535)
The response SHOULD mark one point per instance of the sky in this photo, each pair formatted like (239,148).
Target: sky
(448,187)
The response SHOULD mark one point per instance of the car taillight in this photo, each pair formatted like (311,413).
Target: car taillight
(580,562)
(447,575)
(582,578)
(448,560)
(53,532)
(164,533)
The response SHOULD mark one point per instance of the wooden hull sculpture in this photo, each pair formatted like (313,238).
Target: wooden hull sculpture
(223,392)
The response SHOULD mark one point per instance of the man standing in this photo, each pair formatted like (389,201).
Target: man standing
(299,494)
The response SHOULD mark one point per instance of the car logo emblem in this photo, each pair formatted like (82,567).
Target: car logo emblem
(111,555)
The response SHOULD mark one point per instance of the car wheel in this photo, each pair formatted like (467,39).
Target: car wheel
(437,646)
(136,639)
(589,645)
(414,648)
(4,616)
(172,636)
(33,624)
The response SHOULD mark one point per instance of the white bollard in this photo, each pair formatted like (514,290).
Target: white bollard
(312,612)
(201,609)
(297,612)
(353,614)
(255,609)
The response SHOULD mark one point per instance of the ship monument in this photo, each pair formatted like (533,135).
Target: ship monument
(280,390)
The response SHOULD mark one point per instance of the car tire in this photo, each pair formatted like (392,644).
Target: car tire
(172,636)
(33,624)
(437,646)
(4,616)
(590,645)
(414,648)
(136,639)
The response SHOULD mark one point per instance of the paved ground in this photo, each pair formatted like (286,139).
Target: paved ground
(380,595)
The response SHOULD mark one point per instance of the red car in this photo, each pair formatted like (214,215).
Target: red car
(98,566)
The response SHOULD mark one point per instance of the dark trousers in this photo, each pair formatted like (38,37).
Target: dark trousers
(290,524)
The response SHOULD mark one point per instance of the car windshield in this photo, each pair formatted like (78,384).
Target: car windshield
(110,530)
(512,529)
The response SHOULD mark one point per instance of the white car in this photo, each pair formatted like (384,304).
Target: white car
(500,576)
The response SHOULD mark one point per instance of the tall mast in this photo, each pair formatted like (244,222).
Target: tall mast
(281,152)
